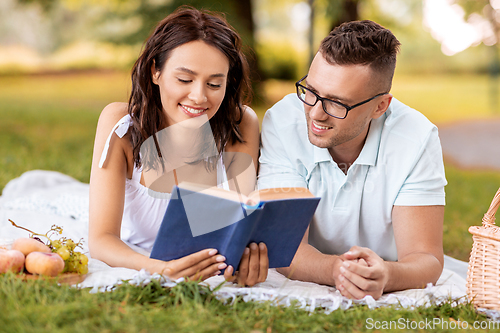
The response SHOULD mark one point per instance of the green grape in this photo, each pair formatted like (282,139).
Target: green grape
(70,244)
(84,259)
(64,253)
(55,245)
(83,269)
(71,266)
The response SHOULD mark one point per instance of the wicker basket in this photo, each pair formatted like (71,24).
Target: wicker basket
(483,276)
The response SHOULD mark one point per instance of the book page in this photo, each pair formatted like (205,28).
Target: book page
(214,191)
(279,193)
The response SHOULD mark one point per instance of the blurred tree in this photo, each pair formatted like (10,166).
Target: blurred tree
(343,11)
(238,13)
(490,10)
(131,21)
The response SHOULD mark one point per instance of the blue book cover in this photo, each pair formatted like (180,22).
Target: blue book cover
(195,220)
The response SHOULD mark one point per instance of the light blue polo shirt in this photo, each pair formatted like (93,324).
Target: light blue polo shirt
(400,164)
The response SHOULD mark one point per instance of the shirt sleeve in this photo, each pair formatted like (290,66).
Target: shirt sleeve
(276,167)
(425,183)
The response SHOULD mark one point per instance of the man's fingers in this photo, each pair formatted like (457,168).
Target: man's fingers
(348,289)
(359,268)
(359,281)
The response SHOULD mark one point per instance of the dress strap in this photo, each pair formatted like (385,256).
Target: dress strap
(222,181)
(121,128)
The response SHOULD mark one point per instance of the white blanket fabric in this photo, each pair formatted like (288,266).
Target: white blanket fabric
(39,199)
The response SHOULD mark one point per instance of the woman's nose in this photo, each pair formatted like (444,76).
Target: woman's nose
(198,94)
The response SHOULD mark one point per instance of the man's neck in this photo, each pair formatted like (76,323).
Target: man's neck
(345,154)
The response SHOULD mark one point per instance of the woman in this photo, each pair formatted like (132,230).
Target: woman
(191,68)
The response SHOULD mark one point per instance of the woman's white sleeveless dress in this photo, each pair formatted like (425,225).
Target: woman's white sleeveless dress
(143,213)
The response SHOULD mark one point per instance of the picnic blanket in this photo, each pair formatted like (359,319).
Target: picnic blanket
(39,199)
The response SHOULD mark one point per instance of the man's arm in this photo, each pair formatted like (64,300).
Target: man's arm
(311,265)
(418,231)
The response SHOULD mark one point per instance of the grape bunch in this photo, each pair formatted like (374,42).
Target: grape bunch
(74,261)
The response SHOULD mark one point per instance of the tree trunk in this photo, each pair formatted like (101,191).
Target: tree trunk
(245,14)
(348,13)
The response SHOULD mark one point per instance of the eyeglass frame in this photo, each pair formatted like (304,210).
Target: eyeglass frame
(319,98)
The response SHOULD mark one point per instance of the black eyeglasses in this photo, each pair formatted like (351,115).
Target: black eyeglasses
(331,107)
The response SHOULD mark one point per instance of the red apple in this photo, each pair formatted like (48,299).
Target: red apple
(11,260)
(42,263)
(28,245)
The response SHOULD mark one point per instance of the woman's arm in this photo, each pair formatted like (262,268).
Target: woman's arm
(242,169)
(107,193)
(241,158)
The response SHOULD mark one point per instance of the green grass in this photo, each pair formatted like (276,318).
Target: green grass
(42,306)
(48,122)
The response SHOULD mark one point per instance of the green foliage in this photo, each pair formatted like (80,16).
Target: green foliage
(49,122)
(473,6)
(44,306)
(468,197)
(281,60)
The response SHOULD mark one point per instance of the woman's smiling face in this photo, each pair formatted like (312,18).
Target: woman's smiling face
(192,82)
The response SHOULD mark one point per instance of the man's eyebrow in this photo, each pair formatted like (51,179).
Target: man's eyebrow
(329,96)
(187,70)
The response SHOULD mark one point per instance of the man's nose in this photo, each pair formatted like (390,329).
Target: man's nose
(316,112)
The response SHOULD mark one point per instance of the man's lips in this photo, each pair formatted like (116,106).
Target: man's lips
(316,128)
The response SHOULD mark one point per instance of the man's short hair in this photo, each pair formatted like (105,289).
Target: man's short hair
(363,43)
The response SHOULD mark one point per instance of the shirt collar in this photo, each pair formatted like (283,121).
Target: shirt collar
(321,154)
(369,153)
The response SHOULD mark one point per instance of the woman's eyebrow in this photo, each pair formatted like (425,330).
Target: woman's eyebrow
(187,70)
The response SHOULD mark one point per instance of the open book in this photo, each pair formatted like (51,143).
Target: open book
(200,217)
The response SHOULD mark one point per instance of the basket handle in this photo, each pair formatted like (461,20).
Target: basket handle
(489,217)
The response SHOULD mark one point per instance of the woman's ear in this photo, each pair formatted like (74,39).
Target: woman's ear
(155,74)
(382,106)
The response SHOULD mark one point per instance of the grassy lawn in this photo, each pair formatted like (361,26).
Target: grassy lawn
(48,122)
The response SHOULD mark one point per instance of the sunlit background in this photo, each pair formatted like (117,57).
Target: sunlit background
(448,67)
(52,35)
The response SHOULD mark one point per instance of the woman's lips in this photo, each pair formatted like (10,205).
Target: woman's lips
(193,112)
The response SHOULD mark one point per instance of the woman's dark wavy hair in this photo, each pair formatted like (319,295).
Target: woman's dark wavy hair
(363,43)
(185,25)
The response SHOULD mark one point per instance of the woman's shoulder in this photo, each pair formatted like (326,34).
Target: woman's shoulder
(249,119)
(110,116)
(113,112)
(249,129)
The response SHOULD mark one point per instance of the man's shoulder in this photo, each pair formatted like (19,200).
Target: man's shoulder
(407,122)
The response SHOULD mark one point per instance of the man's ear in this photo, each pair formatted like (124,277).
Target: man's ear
(382,106)
(155,74)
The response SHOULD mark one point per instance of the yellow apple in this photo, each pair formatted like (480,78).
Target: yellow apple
(42,263)
(28,245)
(11,260)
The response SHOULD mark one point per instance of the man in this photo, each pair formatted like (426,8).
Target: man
(376,164)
